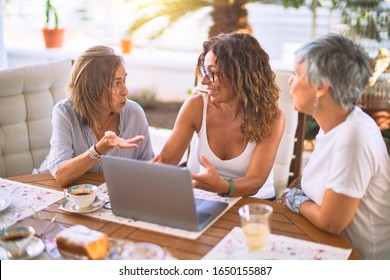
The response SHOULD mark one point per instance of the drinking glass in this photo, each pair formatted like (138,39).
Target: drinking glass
(255,224)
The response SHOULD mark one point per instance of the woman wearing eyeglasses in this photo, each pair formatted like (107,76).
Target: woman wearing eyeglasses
(236,120)
(97,119)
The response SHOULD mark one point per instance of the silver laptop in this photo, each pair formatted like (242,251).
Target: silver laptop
(157,193)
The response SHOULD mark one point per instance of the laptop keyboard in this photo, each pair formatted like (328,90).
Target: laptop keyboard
(198,201)
(202,216)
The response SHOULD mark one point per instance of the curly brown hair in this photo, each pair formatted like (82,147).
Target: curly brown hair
(246,64)
(92,80)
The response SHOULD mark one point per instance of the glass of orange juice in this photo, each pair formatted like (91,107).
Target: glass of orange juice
(255,224)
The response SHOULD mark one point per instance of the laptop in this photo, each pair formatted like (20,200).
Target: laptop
(157,193)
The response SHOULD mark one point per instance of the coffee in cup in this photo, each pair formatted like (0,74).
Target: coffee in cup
(82,196)
(15,239)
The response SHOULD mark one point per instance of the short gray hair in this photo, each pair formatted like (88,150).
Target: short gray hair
(337,61)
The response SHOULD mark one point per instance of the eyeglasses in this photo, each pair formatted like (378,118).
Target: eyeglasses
(209,74)
(46,218)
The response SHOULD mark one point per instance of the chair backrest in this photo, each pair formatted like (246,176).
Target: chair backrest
(298,159)
(285,153)
(159,137)
(27,96)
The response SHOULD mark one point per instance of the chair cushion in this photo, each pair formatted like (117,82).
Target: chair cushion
(27,96)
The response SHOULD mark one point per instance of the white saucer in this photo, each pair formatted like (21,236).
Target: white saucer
(34,249)
(126,250)
(68,206)
(5,201)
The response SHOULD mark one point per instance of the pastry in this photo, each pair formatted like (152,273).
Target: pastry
(82,242)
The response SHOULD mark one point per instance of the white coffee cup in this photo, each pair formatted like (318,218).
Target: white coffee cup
(82,196)
(16,238)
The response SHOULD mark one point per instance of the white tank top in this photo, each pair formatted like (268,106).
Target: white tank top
(232,168)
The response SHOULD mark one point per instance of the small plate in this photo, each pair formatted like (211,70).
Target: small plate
(123,250)
(5,201)
(34,249)
(68,206)
(145,251)
(119,250)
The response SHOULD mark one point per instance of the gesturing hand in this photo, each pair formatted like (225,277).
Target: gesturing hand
(294,198)
(208,180)
(111,140)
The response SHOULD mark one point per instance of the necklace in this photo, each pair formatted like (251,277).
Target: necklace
(105,121)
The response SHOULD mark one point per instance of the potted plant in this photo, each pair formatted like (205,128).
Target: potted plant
(53,35)
(126,44)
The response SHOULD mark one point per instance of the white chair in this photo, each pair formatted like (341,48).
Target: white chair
(158,137)
(27,96)
(285,152)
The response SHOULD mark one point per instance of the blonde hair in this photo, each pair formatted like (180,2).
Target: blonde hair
(92,81)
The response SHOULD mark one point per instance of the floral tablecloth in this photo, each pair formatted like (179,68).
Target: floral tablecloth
(25,199)
(278,247)
(106,214)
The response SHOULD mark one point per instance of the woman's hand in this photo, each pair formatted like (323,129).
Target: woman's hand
(111,141)
(157,158)
(210,180)
(294,198)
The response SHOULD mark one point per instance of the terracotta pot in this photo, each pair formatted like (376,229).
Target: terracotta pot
(126,45)
(53,37)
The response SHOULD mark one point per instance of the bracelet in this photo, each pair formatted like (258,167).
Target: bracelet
(93,154)
(231,189)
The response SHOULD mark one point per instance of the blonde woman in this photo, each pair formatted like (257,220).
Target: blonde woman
(97,119)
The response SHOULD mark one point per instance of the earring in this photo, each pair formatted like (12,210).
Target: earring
(315,105)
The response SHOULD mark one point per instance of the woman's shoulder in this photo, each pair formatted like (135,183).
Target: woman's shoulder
(358,130)
(64,105)
(359,123)
(192,107)
(196,100)
(191,111)
(281,116)
(133,107)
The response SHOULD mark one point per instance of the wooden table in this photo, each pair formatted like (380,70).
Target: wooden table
(284,222)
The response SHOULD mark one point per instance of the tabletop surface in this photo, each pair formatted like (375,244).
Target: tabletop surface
(284,222)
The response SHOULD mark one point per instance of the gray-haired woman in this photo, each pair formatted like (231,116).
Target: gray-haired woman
(345,187)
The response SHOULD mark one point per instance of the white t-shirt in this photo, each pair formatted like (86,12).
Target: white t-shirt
(352,159)
(232,168)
